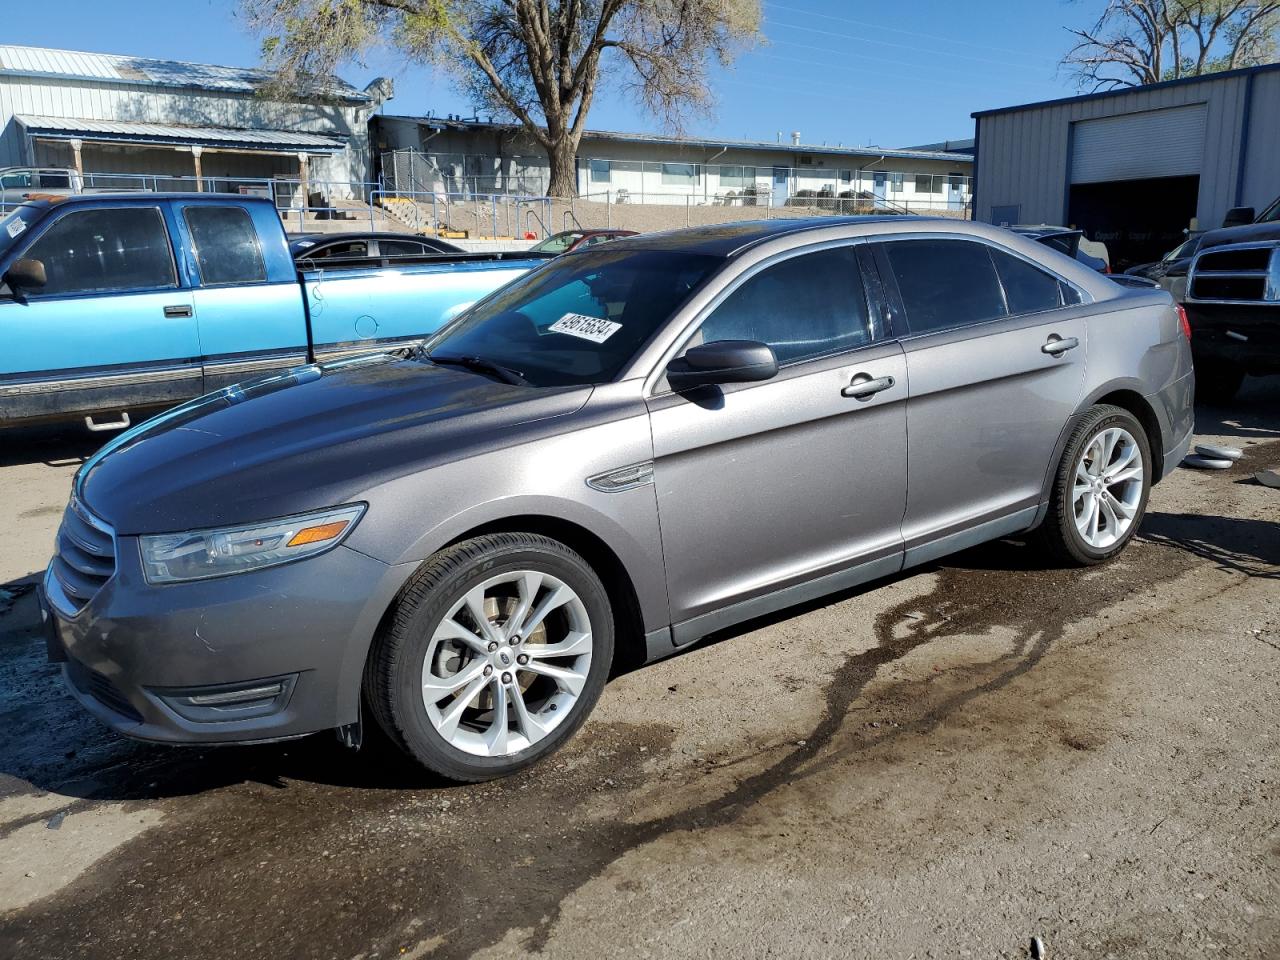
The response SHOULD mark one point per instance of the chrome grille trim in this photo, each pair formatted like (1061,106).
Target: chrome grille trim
(85,559)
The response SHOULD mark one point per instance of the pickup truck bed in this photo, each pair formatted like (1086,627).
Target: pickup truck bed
(151,299)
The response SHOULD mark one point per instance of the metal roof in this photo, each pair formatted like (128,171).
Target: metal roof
(706,142)
(1122,91)
(70,128)
(141,71)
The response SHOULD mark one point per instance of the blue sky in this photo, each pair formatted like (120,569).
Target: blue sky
(839,71)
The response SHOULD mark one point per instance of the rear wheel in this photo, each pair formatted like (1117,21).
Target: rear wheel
(495,654)
(1100,490)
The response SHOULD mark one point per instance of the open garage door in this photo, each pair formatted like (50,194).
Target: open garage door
(1135,180)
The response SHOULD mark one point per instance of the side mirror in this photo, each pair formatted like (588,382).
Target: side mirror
(722,361)
(1239,216)
(26,274)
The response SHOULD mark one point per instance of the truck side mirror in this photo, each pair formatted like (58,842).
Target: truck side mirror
(1239,216)
(26,274)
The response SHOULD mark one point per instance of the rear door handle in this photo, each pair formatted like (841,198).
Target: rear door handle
(1056,346)
(863,386)
(180,310)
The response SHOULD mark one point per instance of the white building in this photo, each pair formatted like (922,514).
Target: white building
(475,158)
(106,114)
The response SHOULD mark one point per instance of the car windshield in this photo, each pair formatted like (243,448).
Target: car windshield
(14,224)
(557,242)
(578,320)
(1185,249)
(1271,214)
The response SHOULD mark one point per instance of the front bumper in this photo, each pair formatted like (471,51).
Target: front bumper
(164,663)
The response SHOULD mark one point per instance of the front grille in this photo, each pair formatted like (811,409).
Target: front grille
(1243,273)
(86,555)
(101,689)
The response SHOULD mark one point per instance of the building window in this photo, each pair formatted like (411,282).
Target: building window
(737,178)
(679,174)
(927,183)
(599,171)
(895,182)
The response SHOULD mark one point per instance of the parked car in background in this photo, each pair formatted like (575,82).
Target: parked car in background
(116,303)
(570,240)
(1232,296)
(621,452)
(1071,242)
(360,246)
(17,183)
(1175,263)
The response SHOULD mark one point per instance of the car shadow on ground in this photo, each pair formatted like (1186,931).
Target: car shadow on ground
(54,446)
(1250,547)
(1254,414)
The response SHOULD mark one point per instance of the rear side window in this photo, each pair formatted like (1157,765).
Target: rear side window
(945,283)
(402,248)
(226,244)
(803,307)
(1027,288)
(96,251)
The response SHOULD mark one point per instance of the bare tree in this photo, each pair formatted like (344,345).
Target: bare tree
(1135,42)
(540,62)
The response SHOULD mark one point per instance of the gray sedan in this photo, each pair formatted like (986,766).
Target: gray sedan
(614,456)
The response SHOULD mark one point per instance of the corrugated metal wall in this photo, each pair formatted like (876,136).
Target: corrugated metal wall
(105,101)
(1024,156)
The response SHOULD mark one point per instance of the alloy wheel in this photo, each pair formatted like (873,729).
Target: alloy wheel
(507,664)
(1107,488)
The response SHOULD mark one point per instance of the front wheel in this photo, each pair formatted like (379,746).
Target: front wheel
(496,652)
(1100,490)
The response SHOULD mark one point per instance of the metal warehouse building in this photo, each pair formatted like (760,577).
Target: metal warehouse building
(105,114)
(1134,168)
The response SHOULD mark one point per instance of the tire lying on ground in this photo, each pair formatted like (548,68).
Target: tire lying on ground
(1207,463)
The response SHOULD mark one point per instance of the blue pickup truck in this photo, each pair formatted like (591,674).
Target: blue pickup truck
(112,303)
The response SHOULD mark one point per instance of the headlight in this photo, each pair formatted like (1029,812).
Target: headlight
(200,554)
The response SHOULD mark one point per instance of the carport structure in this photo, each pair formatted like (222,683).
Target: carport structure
(1134,168)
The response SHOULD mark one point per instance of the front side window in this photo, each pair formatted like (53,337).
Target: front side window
(557,242)
(1027,288)
(578,320)
(804,307)
(226,244)
(945,283)
(94,251)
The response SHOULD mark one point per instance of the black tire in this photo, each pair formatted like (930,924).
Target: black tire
(1058,535)
(1217,382)
(393,674)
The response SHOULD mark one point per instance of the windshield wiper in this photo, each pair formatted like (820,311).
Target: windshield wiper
(481,365)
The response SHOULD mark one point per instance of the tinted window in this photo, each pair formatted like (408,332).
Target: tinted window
(1028,289)
(635,292)
(89,251)
(402,248)
(349,248)
(803,307)
(945,283)
(226,243)
(55,181)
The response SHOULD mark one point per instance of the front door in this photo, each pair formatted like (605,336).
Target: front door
(995,354)
(781,180)
(111,329)
(767,486)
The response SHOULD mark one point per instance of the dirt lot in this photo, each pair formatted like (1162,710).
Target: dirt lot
(945,765)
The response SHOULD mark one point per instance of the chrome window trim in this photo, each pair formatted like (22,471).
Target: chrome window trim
(654,378)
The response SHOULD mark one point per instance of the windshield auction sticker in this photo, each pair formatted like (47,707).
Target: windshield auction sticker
(16,228)
(585,328)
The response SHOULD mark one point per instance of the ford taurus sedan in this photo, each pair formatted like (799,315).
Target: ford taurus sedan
(613,456)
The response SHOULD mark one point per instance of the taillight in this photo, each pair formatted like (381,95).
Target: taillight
(1184,320)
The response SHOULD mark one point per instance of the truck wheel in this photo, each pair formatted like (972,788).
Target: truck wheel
(1100,490)
(1217,382)
(493,656)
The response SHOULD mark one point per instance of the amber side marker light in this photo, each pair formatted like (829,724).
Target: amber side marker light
(325,531)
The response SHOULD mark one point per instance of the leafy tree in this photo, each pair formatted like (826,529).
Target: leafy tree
(1135,42)
(540,62)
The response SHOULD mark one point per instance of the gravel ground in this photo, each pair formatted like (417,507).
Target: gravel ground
(947,764)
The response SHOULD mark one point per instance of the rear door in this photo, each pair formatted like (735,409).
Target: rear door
(248,302)
(995,357)
(112,329)
(768,486)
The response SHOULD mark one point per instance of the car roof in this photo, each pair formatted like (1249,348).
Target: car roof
(728,239)
(1040,230)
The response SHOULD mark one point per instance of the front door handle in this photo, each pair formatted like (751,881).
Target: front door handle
(863,386)
(1056,346)
(180,310)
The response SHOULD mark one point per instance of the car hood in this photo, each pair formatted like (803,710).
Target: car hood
(1246,233)
(303,439)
